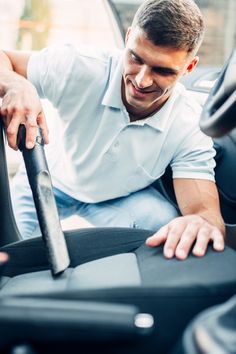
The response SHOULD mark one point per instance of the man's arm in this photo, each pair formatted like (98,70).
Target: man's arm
(201,222)
(20,101)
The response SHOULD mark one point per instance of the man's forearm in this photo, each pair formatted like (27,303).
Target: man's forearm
(199,197)
(9,79)
(5,62)
(6,73)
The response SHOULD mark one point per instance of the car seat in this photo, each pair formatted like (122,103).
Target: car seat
(214,330)
(117,269)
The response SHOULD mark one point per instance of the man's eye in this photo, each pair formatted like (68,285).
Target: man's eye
(134,58)
(163,72)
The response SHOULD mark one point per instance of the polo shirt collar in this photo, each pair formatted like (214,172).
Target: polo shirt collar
(160,119)
(112,98)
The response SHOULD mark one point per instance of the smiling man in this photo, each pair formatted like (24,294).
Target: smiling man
(150,73)
(124,119)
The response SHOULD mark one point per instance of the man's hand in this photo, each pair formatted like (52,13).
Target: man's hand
(3,257)
(21,105)
(185,232)
(3,260)
(20,101)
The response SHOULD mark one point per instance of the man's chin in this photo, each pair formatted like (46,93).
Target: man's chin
(136,108)
(139,102)
(136,105)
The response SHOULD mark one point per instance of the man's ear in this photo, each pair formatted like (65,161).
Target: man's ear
(192,65)
(127,34)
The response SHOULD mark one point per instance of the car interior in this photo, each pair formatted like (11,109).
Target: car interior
(214,330)
(124,298)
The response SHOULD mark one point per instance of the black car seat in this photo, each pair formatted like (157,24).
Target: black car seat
(116,268)
(214,330)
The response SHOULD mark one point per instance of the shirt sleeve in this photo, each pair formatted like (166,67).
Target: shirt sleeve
(67,74)
(195,157)
(49,69)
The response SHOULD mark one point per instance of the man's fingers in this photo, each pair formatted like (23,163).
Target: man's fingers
(159,237)
(186,241)
(4,112)
(43,125)
(12,131)
(13,121)
(202,241)
(218,240)
(181,233)
(31,122)
(173,238)
(31,125)
(3,257)
(31,130)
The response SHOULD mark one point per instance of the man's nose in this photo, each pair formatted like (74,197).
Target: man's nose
(144,77)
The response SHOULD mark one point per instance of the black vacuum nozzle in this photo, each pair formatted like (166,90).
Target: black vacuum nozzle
(41,186)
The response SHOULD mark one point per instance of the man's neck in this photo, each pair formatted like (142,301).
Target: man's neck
(135,114)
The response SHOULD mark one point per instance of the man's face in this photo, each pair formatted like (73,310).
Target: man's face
(150,73)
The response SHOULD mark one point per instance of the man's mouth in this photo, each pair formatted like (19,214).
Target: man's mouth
(141,93)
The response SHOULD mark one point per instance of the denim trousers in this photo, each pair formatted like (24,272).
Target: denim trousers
(145,209)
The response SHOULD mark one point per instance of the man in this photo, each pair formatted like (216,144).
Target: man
(124,118)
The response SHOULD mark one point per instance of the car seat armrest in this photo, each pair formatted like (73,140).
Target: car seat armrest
(26,319)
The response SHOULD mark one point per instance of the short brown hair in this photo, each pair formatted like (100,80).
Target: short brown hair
(171,23)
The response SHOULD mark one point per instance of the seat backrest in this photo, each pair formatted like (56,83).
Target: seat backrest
(8,229)
(225,175)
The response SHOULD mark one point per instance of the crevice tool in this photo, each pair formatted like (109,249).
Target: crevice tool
(41,186)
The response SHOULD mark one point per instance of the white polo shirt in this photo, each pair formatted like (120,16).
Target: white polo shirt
(100,154)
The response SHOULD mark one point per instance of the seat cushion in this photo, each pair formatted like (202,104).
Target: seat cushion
(214,271)
(132,264)
(115,271)
(84,245)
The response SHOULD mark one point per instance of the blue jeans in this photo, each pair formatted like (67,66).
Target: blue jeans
(146,209)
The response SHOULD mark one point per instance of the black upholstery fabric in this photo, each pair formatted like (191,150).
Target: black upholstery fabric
(205,274)
(84,246)
(172,291)
(226,175)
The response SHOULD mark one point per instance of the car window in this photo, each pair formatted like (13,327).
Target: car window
(33,24)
